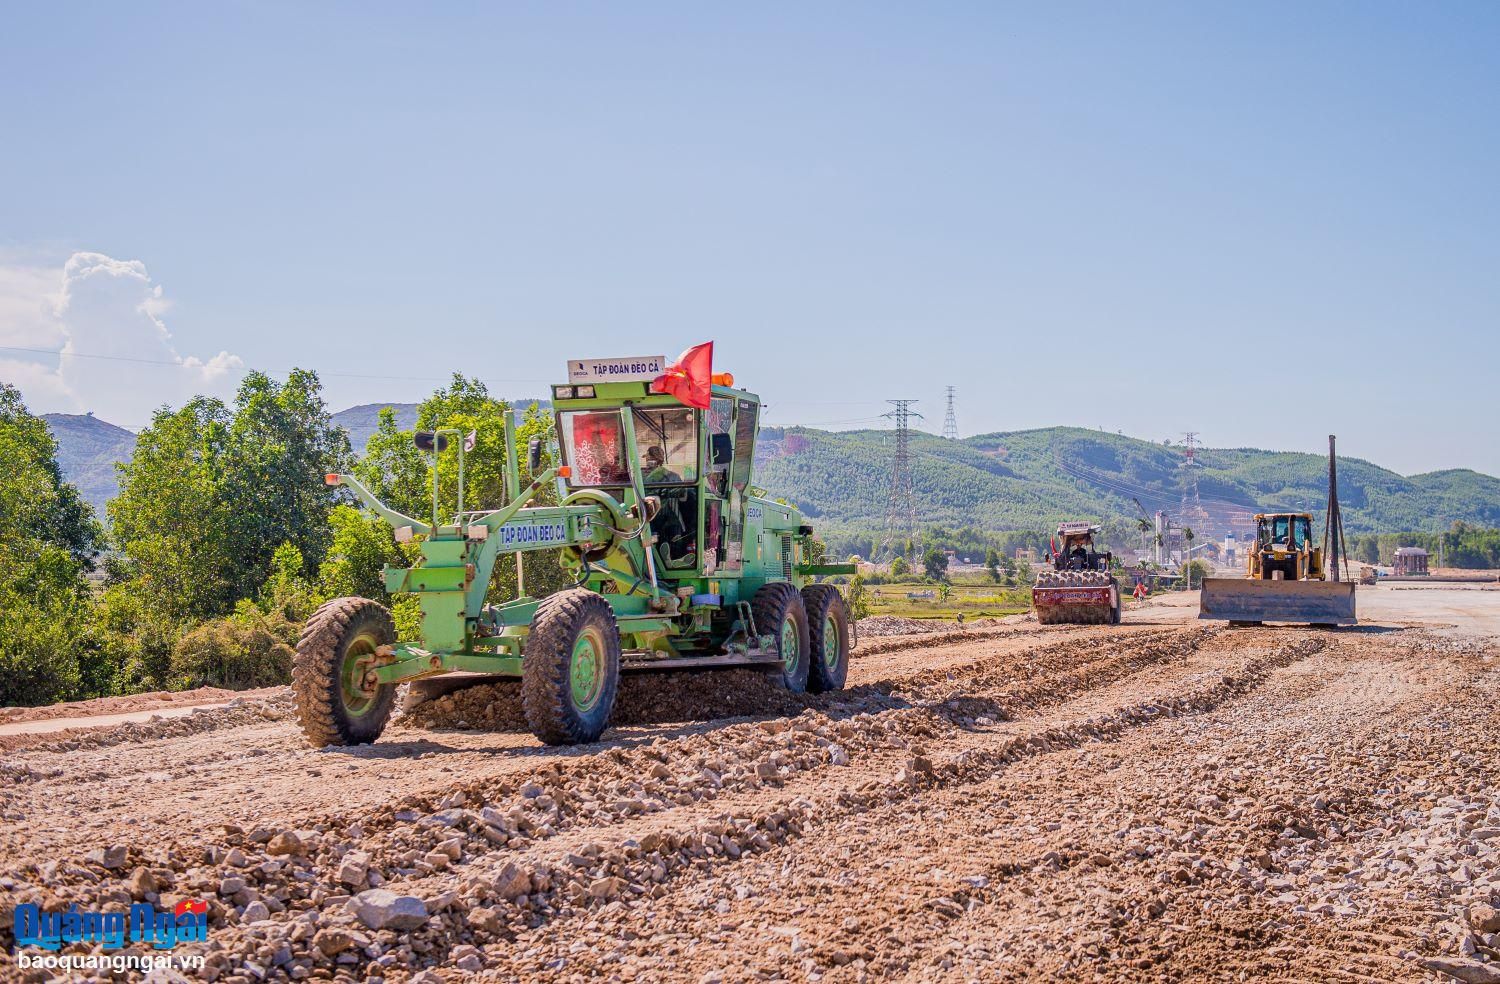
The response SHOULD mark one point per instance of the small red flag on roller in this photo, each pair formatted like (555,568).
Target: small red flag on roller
(690,378)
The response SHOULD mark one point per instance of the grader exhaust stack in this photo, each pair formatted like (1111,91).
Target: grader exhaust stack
(1288,578)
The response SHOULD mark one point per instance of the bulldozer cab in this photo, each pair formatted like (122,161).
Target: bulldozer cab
(695,463)
(1284,531)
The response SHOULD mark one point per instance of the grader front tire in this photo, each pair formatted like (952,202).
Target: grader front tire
(337,648)
(572,668)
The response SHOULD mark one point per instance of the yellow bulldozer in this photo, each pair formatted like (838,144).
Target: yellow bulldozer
(1285,581)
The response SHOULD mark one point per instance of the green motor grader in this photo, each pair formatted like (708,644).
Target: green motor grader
(677,562)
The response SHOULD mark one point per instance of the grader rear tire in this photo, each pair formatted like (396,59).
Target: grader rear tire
(337,647)
(778,611)
(828,638)
(572,668)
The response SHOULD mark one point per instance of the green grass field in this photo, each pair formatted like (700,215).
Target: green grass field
(973,600)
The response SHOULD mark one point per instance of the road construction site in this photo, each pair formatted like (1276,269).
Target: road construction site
(1162,799)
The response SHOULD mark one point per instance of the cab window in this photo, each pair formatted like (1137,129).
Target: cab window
(668,444)
(594,444)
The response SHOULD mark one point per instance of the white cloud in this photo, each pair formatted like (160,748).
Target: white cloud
(104,346)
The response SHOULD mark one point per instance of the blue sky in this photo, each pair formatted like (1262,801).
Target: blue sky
(1265,223)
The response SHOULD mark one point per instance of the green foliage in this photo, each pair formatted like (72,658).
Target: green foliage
(992,564)
(857,597)
(210,494)
(899,567)
(136,638)
(935,563)
(250,648)
(286,592)
(1462,546)
(394,470)
(48,541)
(401,476)
(362,547)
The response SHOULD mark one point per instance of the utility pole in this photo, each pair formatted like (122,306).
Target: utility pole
(1333,525)
(901,511)
(950,422)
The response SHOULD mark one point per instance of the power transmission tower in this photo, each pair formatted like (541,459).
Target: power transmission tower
(950,422)
(1190,476)
(901,511)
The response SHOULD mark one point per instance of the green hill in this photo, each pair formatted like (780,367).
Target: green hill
(1032,479)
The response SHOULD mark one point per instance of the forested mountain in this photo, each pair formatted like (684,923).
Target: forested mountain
(1032,479)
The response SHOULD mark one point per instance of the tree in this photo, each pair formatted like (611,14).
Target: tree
(992,564)
(48,542)
(935,564)
(899,567)
(401,476)
(394,470)
(362,548)
(210,494)
(858,598)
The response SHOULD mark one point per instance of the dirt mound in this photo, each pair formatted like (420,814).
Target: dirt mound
(156,700)
(272,704)
(643,698)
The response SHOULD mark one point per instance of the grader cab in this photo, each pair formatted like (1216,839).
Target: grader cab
(677,562)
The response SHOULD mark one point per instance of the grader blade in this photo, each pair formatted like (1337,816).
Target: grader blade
(1251,600)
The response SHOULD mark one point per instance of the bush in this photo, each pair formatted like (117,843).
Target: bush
(857,597)
(248,649)
(47,652)
(136,639)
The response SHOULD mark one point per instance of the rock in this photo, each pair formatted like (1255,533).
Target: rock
(512,882)
(255,912)
(235,858)
(285,843)
(606,888)
(112,858)
(1468,971)
(837,755)
(353,869)
(531,790)
(332,941)
(140,883)
(437,859)
(380,908)
(1484,918)
(485,920)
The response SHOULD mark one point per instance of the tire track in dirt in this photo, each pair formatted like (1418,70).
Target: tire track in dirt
(390,834)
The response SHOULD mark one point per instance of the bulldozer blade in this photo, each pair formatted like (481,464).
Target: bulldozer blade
(1236,599)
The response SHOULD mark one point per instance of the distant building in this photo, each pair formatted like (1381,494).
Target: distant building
(1027,554)
(1409,562)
